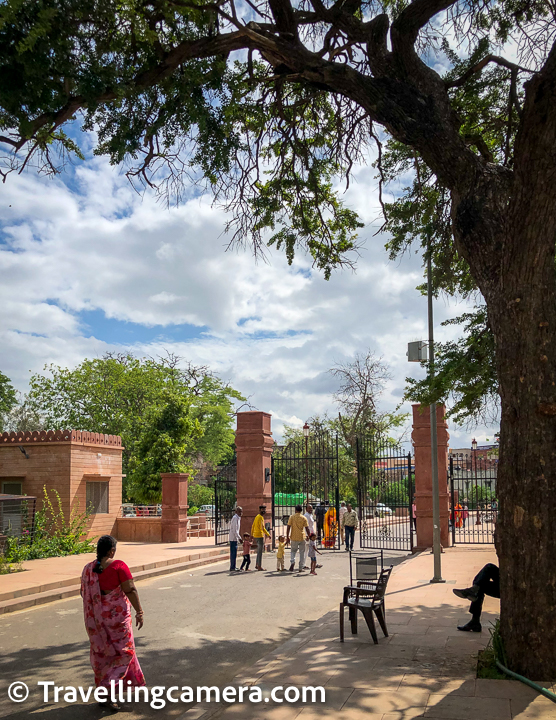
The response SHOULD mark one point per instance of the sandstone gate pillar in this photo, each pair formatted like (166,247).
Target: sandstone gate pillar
(174,507)
(421,437)
(254,450)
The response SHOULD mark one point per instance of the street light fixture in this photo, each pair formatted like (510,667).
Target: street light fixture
(474,444)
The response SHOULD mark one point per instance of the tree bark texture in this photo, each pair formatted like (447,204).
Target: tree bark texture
(512,257)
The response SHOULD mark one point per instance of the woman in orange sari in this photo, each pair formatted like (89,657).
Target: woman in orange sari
(108,593)
(330,527)
(459,516)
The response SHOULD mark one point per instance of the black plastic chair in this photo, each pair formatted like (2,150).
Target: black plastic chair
(368,598)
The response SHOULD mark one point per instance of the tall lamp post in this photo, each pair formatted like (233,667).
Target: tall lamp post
(306,430)
(436,547)
(416,353)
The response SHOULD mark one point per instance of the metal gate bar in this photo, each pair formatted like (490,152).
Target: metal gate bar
(474,504)
(225,497)
(385,494)
(307,470)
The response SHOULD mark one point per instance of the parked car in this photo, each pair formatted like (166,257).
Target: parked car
(207,510)
(382,509)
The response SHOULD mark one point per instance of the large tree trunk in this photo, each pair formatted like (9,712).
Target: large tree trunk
(509,241)
(523,319)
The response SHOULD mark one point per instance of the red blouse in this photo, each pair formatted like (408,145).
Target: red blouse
(113,575)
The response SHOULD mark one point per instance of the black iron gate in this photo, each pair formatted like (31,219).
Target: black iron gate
(225,496)
(473,499)
(385,494)
(306,471)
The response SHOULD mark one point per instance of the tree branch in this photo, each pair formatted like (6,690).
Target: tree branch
(482,64)
(416,16)
(202,48)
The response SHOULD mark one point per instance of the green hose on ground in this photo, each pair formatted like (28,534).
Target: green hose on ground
(543,691)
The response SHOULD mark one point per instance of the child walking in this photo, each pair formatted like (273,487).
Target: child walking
(313,553)
(246,552)
(280,553)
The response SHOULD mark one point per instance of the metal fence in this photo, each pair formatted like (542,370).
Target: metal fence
(17,516)
(385,489)
(225,500)
(130,510)
(473,498)
(306,471)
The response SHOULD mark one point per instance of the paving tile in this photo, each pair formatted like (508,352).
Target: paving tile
(541,708)
(457,707)
(440,685)
(318,714)
(420,640)
(410,701)
(505,689)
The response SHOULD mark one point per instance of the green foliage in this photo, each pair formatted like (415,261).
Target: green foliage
(53,535)
(8,567)
(167,437)
(479,494)
(486,666)
(192,510)
(465,373)
(115,393)
(199,495)
(8,398)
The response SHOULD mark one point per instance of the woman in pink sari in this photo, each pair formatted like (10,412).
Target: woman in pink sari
(108,593)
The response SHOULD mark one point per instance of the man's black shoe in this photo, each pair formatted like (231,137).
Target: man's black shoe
(471,626)
(471,594)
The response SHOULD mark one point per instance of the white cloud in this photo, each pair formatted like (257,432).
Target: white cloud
(272,330)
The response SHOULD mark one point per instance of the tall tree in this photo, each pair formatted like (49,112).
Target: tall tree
(361,383)
(165,445)
(270,127)
(115,394)
(8,399)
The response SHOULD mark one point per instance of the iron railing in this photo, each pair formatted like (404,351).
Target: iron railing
(17,517)
(307,471)
(225,500)
(385,490)
(473,498)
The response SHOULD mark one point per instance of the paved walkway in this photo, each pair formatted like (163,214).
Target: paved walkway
(55,578)
(425,668)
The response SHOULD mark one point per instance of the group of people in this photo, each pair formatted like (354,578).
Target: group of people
(109,593)
(304,531)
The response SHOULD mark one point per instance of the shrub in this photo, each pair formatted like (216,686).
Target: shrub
(53,535)
(200,495)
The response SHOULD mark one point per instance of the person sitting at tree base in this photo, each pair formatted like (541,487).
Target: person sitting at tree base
(486,582)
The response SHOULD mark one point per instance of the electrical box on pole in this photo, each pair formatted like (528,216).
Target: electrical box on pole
(417,351)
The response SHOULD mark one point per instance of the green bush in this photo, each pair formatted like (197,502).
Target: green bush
(8,567)
(200,495)
(192,510)
(53,536)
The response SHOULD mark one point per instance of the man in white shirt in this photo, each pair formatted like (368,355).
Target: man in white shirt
(235,537)
(310,518)
(343,511)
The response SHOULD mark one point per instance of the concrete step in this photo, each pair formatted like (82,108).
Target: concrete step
(63,590)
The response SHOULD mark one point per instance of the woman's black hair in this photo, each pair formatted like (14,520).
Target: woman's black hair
(105,544)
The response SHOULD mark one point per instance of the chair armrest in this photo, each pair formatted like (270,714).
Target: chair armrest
(373,583)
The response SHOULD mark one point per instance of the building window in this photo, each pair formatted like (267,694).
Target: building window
(12,487)
(97,497)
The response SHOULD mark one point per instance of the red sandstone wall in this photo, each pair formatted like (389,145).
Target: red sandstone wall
(65,461)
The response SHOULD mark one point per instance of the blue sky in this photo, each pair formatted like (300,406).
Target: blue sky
(89,266)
